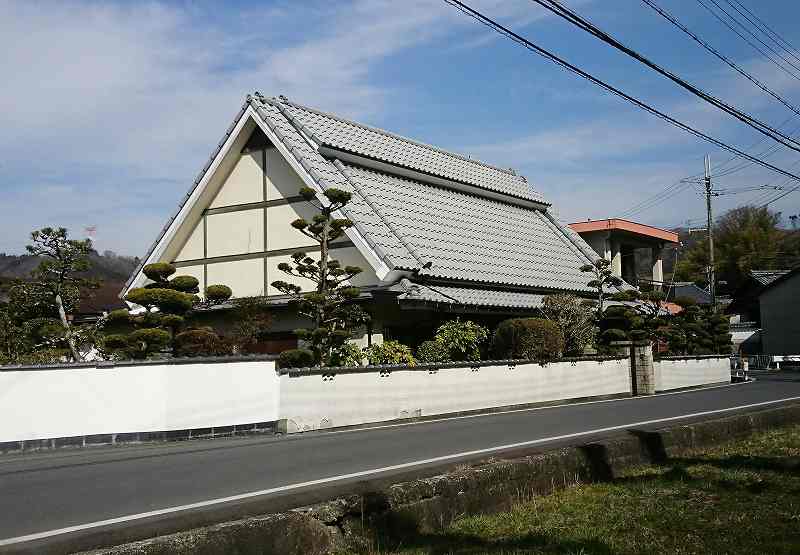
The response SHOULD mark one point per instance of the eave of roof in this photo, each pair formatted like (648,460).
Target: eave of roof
(626,225)
(785,277)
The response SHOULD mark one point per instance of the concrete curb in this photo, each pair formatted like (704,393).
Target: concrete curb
(430,504)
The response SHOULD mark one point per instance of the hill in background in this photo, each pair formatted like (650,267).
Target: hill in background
(110,269)
(105,267)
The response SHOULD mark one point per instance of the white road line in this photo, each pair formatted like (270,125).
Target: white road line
(530,409)
(362,473)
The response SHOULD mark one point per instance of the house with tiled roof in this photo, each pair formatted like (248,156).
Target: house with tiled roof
(745,304)
(436,233)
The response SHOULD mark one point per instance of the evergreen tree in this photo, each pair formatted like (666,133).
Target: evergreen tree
(164,327)
(745,238)
(330,305)
(56,282)
(601,281)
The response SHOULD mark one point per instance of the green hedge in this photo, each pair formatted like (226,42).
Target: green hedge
(528,338)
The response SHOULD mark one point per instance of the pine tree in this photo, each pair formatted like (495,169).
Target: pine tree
(330,305)
(56,282)
(164,327)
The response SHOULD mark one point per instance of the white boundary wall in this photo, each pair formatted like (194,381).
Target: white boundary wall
(63,402)
(689,372)
(313,401)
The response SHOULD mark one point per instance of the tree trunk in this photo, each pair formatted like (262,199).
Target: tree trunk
(67,329)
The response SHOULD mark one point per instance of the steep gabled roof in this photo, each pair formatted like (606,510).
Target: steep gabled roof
(444,217)
(470,238)
(337,133)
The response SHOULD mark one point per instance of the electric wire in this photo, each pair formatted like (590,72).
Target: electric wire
(497,27)
(669,17)
(734,5)
(744,38)
(571,16)
(785,44)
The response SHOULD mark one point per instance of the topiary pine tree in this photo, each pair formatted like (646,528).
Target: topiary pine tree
(330,305)
(162,326)
(698,331)
(644,314)
(602,279)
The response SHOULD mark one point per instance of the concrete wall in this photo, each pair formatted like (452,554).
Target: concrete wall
(780,324)
(675,373)
(78,401)
(87,400)
(311,401)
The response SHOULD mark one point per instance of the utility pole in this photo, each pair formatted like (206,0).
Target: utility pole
(709,193)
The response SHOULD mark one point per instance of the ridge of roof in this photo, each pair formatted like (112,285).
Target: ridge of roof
(464,158)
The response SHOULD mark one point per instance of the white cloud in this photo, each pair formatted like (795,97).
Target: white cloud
(125,101)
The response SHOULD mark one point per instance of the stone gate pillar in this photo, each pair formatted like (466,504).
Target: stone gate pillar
(643,376)
(640,353)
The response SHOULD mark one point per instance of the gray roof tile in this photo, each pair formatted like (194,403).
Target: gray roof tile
(765,277)
(342,134)
(472,238)
(468,296)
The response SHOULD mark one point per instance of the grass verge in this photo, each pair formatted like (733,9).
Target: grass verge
(743,497)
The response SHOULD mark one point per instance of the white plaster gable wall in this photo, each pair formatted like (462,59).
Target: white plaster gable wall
(282,180)
(194,247)
(244,277)
(235,233)
(244,184)
(280,235)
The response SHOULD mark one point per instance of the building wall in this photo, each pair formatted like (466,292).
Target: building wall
(780,317)
(244,233)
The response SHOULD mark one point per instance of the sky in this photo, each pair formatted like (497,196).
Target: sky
(108,110)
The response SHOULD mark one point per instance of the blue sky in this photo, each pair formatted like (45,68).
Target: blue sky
(108,110)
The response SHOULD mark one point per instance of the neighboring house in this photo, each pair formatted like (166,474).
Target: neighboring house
(687,290)
(96,303)
(437,234)
(617,241)
(779,303)
(745,304)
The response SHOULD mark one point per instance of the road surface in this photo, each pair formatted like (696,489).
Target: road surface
(51,498)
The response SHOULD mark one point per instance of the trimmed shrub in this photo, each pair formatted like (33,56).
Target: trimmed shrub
(187,284)
(119,315)
(115,342)
(462,339)
(347,355)
(432,351)
(528,338)
(159,271)
(199,342)
(167,300)
(296,358)
(148,340)
(172,321)
(390,352)
(218,293)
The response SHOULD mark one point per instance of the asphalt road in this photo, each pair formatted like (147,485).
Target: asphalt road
(52,491)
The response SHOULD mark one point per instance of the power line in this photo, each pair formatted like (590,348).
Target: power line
(780,40)
(734,5)
(669,17)
(744,38)
(656,199)
(571,16)
(497,27)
